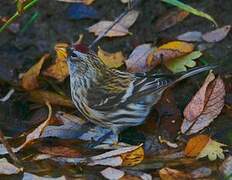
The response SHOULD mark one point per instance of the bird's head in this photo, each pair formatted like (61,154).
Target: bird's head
(82,60)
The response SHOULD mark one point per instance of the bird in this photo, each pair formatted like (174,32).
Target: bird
(112,98)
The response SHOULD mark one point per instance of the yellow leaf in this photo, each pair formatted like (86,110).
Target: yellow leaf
(41,96)
(134,157)
(195,145)
(59,70)
(179,46)
(112,60)
(212,150)
(29,79)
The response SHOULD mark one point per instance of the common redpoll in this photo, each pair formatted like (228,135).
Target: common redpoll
(115,99)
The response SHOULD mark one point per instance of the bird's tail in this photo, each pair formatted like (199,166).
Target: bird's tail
(194,71)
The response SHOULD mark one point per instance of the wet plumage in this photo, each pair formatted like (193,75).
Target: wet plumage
(112,98)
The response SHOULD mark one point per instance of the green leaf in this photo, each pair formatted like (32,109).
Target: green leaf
(190,9)
(181,63)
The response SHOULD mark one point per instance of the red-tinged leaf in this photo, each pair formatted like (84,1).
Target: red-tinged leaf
(60,151)
(216,35)
(170,19)
(205,106)
(137,59)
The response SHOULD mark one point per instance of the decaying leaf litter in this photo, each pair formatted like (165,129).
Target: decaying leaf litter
(45,85)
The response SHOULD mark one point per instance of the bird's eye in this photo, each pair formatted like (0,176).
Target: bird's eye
(74,54)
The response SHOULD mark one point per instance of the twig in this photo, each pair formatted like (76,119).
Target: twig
(17,14)
(9,150)
(7,96)
(103,33)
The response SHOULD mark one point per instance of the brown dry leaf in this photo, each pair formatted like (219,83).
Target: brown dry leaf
(60,151)
(59,70)
(195,145)
(205,106)
(173,174)
(170,19)
(119,29)
(137,59)
(112,60)
(41,96)
(170,51)
(35,134)
(87,2)
(216,35)
(29,79)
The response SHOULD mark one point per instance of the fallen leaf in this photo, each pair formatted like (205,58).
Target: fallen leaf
(205,106)
(6,168)
(180,64)
(128,20)
(201,172)
(60,151)
(170,51)
(29,79)
(190,9)
(137,59)
(213,150)
(41,96)
(173,174)
(216,35)
(195,145)
(193,36)
(226,168)
(112,60)
(133,158)
(27,176)
(80,11)
(119,29)
(87,2)
(170,19)
(59,70)
(127,156)
(36,133)
(112,173)
(125,1)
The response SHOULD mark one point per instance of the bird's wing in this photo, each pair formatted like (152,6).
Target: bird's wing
(110,92)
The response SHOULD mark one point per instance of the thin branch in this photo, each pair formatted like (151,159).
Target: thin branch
(9,150)
(103,33)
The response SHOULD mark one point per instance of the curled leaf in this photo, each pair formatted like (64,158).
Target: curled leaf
(112,60)
(205,106)
(29,79)
(59,70)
